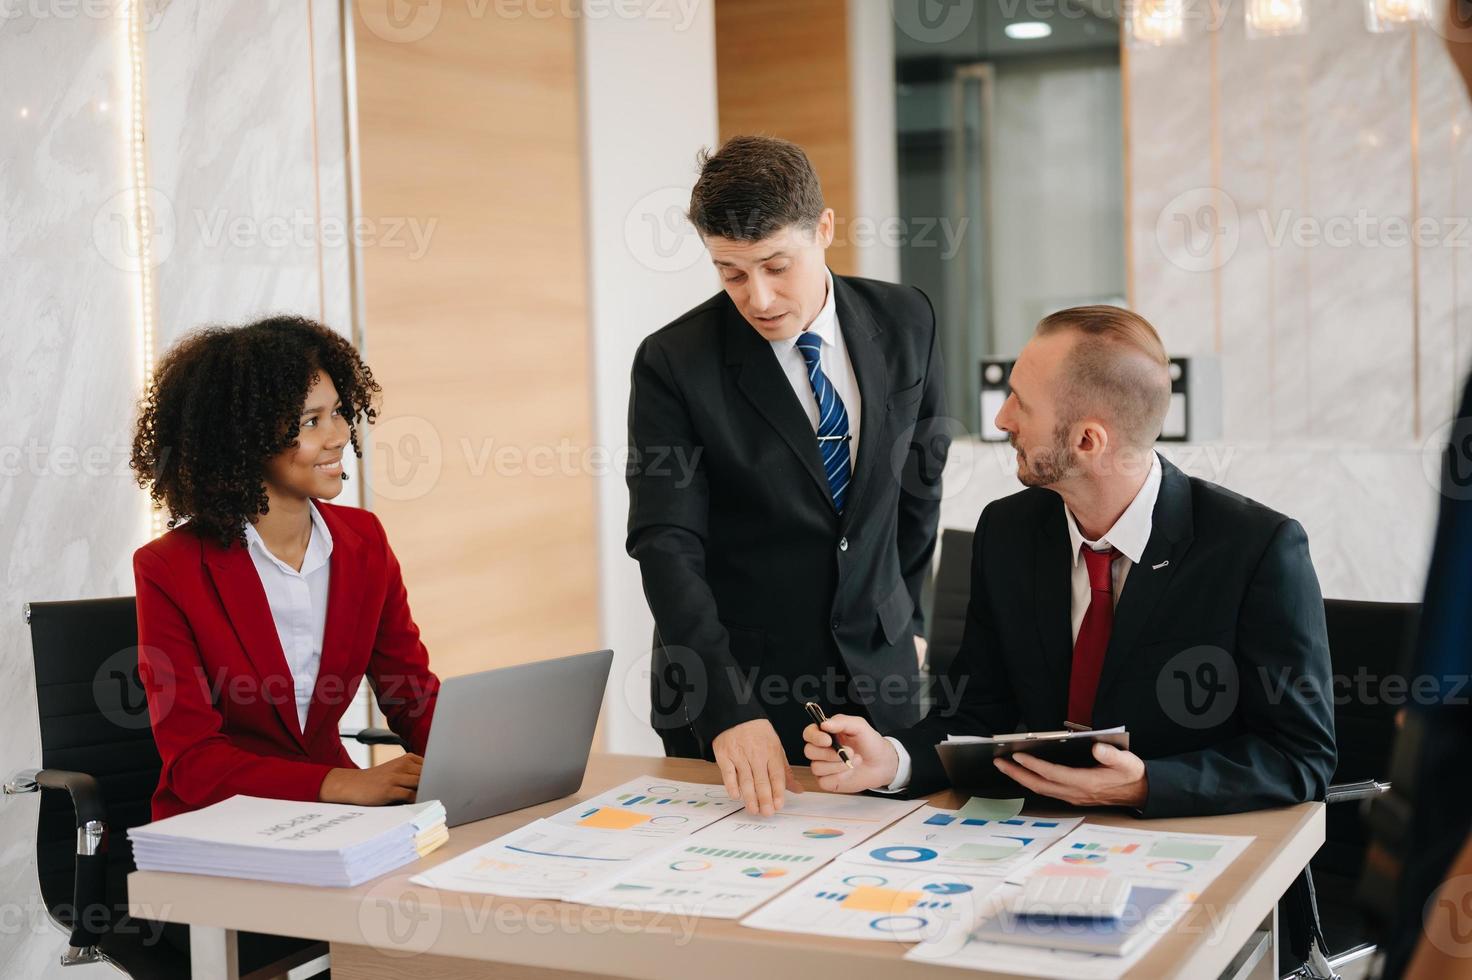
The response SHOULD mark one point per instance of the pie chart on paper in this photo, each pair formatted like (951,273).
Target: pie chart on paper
(823,833)
(947,888)
(1083,858)
(902,854)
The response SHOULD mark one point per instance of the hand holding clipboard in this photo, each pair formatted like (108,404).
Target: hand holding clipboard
(970,761)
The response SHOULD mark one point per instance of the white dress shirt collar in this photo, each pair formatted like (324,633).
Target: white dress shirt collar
(825,324)
(1131,532)
(319,545)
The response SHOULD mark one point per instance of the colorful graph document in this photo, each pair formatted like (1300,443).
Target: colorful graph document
(650,808)
(1184,864)
(944,842)
(586,843)
(541,860)
(897,904)
(927,875)
(727,869)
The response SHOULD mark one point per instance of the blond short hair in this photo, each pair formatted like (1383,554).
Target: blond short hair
(1118,370)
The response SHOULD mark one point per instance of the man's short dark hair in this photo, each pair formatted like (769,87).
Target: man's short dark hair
(1118,368)
(754,186)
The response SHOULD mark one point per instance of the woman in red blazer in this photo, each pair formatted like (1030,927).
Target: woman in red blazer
(263,608)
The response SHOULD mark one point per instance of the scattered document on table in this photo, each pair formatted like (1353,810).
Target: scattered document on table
(944,842)
(541,860)
(585,843)
(897,904)
(651,808)
(1182,863)
(727,869)
(918,879)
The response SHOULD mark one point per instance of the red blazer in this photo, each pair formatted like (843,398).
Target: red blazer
(220,695)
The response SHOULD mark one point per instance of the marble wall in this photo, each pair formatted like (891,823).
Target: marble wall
(247,150)
(1368,512)
(246,130)
(1274,185)
(1298,208)
(70,516)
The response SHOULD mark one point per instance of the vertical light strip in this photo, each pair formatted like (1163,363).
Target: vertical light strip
(1308,276)
(1216,174)
(357,302)
(1415,248)
(1456,260)
(352,202)
(1129,171)
(316,166)
(145,311)
(1272,170)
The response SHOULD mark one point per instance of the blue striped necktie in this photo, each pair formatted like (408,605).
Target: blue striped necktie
(832,421)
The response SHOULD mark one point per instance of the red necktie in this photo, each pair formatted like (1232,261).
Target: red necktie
(1093,636)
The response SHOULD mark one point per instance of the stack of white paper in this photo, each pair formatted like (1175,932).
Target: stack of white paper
(289,841)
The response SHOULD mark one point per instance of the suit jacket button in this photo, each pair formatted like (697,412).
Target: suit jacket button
(835,624)
(843,544)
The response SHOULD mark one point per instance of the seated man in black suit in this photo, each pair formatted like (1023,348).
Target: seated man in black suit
(1142,598)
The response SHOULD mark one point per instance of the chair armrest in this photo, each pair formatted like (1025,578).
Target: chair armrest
(85,793)
(89,887)
(1349,792)
(376,736)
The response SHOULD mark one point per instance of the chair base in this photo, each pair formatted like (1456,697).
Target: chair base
(84,955)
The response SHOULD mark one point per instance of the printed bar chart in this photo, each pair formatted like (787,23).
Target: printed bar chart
(1107,848)
(726,852)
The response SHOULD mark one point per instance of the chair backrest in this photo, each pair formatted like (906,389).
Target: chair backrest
(1367,646)
(952,595)
(94,719)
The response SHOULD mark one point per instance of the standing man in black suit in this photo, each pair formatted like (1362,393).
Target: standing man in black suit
(1116,590)
(784,482)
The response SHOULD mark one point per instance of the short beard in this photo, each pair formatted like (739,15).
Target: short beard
(1049,465)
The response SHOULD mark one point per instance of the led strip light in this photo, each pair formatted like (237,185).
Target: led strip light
(141,223)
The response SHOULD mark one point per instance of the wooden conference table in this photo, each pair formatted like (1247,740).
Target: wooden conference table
(389,928)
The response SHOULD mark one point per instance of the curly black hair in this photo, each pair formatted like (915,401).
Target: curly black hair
(222,402)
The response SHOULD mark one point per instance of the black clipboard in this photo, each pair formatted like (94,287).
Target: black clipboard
(968,764)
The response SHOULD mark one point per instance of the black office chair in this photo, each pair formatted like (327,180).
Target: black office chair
(99,768)
(1366,640)
(952,593)
(1322,927)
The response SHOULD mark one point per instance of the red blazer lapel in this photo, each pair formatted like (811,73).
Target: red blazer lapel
(244,599)
(343,602)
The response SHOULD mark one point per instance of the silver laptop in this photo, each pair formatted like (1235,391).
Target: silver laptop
(514,737)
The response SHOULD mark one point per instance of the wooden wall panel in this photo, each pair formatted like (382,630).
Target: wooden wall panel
(782,70)
(481,343)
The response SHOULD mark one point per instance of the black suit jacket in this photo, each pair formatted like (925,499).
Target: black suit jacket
(763,595)
(1218,661)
